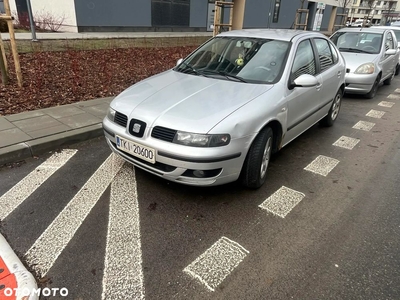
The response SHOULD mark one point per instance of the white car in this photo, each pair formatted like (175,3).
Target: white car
(360,23)
(222,111)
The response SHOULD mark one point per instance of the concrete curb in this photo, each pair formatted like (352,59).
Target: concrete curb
(39,146)
(15,275)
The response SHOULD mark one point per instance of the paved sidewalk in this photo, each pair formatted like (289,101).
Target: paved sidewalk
(102,35)
(32,133)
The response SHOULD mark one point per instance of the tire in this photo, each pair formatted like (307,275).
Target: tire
(397,70)
(334,110)
(389,80)
(254,170)
(371,94)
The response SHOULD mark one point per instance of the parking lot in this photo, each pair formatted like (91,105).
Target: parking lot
(323,226)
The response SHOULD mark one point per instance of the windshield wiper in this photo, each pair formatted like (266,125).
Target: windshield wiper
(226,75)
(354,50)
(195,71)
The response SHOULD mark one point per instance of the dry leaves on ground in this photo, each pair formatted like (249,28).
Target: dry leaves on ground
(57,78)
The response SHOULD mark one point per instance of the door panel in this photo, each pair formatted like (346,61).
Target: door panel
(302,101)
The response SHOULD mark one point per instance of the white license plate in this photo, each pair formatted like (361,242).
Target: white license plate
(138,150)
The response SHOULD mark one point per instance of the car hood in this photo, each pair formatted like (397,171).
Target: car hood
(185,102)
(354,60)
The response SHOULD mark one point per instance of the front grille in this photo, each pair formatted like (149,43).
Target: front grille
(120,119)
(163,133)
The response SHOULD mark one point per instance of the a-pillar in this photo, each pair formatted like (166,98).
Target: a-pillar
(238,14)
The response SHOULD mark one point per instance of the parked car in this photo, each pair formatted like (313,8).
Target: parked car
(361,23)
(222,111)
(371,56)
(396,31)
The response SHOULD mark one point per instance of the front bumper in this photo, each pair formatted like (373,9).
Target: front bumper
(359,83)
(218,165)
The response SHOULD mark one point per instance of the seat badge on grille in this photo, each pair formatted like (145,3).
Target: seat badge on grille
(136,127)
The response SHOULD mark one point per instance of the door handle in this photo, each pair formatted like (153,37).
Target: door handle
(318,86)
(339,74)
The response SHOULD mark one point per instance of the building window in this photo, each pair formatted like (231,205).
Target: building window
(170,12)
(276,11)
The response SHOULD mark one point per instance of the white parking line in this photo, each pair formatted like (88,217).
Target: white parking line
(44,252)
(363,125)
(397,91)
(322,165)
(217,262)
(386,104)
(123,274)
(346,142)
(282,201)
(23,189)
(394,96)
(375,114)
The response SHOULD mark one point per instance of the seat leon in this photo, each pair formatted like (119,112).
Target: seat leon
(222,111)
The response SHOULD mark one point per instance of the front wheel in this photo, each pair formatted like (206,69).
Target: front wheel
(334,110)
(371,94)
(254,171)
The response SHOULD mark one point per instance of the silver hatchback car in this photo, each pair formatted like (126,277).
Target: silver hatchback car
(371,56)
(222,111)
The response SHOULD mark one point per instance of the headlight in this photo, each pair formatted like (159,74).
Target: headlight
(368,68)
(201,140)
(111,114)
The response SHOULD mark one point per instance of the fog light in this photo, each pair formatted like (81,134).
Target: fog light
(198,173)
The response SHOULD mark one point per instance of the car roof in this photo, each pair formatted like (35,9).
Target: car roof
(387,27)
(277,34)
(378,29)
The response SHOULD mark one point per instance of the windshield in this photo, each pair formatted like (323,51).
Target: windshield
(359,42)
(239,59)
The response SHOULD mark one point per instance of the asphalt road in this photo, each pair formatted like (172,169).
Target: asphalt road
(113,232)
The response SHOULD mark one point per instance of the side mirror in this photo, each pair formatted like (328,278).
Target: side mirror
(179,61)
(305,80)
(390,52)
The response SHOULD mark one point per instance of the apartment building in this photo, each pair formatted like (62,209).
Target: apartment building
(174,15)
(378,12)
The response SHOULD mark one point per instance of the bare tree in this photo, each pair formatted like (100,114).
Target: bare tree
(343,4)
(371,4)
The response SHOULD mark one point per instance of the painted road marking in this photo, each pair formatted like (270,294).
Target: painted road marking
(362,125)
(386,104)
(393,96)
(397,91)
(123,274)
(375,114)
(217,262)
(44,252)
(23,189)
(346,142)
(322,165)
(282,201)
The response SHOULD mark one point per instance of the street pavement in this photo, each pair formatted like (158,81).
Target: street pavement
(81,219)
